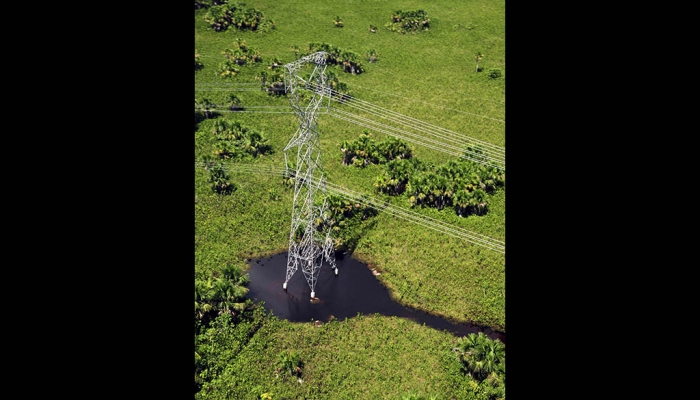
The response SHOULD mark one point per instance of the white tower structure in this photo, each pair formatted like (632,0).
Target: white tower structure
(310,239)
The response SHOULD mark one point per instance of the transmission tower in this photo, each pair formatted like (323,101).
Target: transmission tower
(310,239)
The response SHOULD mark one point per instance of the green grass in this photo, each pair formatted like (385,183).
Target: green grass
(428,76)
(367,357)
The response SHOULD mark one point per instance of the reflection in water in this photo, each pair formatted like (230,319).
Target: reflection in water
(355,290)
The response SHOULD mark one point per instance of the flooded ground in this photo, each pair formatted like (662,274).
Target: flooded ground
(355,290)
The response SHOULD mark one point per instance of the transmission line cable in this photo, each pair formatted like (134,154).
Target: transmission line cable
(382,206)
(353,119)
(426,127)
(435,105)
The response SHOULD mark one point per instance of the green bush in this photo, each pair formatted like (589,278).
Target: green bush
(219,179)
(409,21)
(290,363)
(222,17)
(494,73)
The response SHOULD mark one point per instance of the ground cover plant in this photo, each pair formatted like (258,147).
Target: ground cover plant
(367,357)
(409,21)
(429,76)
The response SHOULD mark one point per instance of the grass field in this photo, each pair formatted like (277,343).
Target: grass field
(429,76)
(368,357)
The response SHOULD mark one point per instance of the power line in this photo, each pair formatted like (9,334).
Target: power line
(484,159)
(382,206)
(396,132)
(438,143)
(435,105)
(414,122)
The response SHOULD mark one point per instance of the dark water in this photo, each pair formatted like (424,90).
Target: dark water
(355,290)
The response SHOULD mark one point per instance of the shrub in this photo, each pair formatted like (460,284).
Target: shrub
(494,73)
(290,363)
(222,17)
(219,179)
(409,21)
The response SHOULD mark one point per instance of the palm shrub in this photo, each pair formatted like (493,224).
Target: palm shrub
(347,219)
(339,89)
(234,103)
(364,151)
(220,180)
(235,141)
(206,107)
(348,60)
(494,73)
(239,55)
(197,63)
(490,177)
(481,356)
(236,56)
(430,188)
(478,56)
(275,63)
(223,292)
(393,149)
(222,17)
(351,63)
(470,202)
(272,83)
(228,69)
(255,144)
(218,18)
(290,363)
(358,152)
(396,175)
(408,21)
(465,185)
(372,55)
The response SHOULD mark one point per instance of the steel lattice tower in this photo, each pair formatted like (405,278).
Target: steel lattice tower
(310,236)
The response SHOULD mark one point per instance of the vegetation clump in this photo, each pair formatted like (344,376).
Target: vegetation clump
(204,109)
(220,180)
(348,60)
(222,293)
(240,55)
(364,151)
(462,184)
(237,15)
(197,62)
(409,21)
(494,73)
(372,55)
(272,83)
(483,362)
(348,220)
(290,363)
(235,141)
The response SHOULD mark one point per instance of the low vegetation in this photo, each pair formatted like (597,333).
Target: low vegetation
(226,15)
(243,352)
(409,21)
